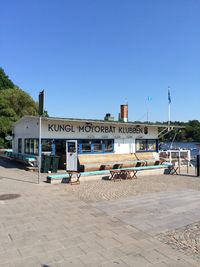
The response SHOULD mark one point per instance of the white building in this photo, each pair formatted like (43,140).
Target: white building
(87,136)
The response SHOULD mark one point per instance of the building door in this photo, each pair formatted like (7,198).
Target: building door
(71,155)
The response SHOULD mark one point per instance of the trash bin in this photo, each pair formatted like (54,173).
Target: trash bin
(54,163)
(46,163)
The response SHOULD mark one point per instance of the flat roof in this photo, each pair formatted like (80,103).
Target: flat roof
(129,123)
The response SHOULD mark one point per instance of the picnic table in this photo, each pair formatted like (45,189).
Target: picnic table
(122,174)
(173,169)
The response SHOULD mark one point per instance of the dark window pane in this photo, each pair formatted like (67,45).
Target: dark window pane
(27,146)
(108,145)
(97,147)
(72,147)
(86,148)
(46,145)
(35,146)
(31,146)
(19,145)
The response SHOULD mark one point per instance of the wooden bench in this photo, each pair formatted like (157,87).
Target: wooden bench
(95,162)
(148,157)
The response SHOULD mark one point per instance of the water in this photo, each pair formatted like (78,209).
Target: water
(194,147)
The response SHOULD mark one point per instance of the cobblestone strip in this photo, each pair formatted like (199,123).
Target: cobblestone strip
(185,239)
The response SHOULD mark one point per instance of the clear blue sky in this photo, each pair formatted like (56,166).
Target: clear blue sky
(90,56)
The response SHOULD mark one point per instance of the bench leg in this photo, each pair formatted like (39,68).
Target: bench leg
(111,177)
(115,176)
(134,174)
(128,174)
(77,179)
(173,171)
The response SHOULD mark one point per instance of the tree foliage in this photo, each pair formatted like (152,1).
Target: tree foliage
(5,82)
(14,104)
(189,133)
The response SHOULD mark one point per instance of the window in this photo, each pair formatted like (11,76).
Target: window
(108,145)
(19,145)
(72,147)
(27,146)
(86,146)
(95,146)
(151,145)
(141,145)
(35,146)
(31,146)
(146,145)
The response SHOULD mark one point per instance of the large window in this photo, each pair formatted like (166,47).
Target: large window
(31,146)
(95,146)
(143,145)
(84,146)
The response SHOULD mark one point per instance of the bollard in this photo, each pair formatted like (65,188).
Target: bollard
(198,173)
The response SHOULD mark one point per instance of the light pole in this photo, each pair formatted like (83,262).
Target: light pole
(41,111)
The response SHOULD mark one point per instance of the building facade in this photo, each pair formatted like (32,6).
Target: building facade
(91,136)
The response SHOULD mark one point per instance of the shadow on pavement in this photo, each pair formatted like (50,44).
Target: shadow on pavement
(10,163)
(19,180)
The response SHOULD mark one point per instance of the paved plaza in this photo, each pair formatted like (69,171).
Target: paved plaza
(150,221)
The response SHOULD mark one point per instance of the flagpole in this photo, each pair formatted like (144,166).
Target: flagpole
(41,111)
(169,110)
(149,98)
(169,114)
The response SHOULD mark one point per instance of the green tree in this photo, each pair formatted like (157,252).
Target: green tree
(14,104)
(5,82)
(20,102)
(193,130)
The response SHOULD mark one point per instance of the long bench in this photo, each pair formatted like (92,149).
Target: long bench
(65,177)
(115,173)
(148,157)
(94,162)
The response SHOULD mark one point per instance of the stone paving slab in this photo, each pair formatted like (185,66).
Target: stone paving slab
(56,225)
